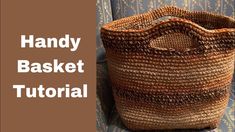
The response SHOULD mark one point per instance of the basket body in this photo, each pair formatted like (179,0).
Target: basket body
(172,75)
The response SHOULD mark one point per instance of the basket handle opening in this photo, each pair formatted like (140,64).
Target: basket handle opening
(174,38)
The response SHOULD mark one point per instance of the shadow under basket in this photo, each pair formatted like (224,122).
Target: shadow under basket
(173,73)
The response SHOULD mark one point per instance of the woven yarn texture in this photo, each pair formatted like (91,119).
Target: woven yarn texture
(170,68)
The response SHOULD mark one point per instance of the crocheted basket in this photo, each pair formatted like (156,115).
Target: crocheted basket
(170,74)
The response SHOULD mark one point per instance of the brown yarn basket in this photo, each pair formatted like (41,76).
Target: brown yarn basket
(170,74)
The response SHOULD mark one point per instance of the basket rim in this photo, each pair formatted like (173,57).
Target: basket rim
(141,17)
(139,39)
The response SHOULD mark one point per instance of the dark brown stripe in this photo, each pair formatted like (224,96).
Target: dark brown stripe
(171,99)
